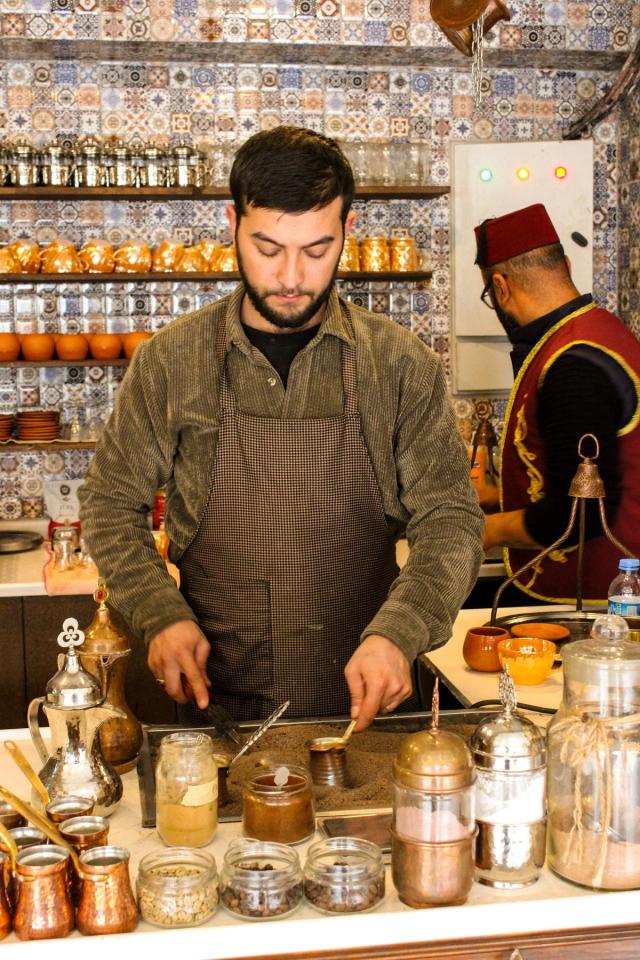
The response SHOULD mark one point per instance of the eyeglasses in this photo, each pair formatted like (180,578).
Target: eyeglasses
(485,296)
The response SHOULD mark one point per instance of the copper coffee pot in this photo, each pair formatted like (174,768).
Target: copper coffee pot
(106,648)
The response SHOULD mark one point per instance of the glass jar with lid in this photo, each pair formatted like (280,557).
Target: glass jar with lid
(186,790)
(260,881)
(344,875)
(593,744)
(277,805)
(177,887)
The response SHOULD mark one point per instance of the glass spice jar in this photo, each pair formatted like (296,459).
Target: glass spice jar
(260,881)
(344,875)
(278,805)
(177,887)
(186,790)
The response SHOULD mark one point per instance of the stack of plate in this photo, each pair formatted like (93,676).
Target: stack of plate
(6,423)
(38,425)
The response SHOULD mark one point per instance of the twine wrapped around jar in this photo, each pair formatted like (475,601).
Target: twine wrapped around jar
(586,738)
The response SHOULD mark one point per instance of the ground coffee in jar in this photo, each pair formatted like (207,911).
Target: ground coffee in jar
(260,881)
(278,805)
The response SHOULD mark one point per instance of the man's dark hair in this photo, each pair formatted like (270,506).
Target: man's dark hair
(524,269)
(291,169)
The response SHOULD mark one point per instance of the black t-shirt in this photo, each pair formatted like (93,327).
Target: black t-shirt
(280,349)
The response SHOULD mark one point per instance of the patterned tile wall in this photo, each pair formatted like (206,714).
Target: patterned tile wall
(209,102)
(629,211)
(604,25)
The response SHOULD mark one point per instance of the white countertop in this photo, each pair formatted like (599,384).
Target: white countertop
(549,904)
(470,686)
(21,573)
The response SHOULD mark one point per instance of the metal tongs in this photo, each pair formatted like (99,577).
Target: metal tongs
(217,716)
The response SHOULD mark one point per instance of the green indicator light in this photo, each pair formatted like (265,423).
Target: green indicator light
(486,175)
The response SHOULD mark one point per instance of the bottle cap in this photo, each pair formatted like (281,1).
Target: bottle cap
(629,563)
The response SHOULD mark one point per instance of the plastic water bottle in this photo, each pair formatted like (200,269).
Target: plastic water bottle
(624,591)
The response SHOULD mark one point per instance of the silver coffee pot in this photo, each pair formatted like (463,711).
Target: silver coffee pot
(74,707)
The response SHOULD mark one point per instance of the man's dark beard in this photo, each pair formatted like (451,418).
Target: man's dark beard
(507,322)
(292,321)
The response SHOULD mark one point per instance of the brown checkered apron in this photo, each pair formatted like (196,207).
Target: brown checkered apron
(292,558)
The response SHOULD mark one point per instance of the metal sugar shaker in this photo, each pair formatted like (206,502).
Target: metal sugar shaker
(433,830)
(510,757)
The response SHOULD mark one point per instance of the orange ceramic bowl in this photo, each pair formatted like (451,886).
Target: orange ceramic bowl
(71,346)
(131,340)
(38,346)
(545,631)
(9,346)
(529,659)
(105,346)
(480,648)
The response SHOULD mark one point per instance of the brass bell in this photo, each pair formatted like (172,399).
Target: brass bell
(106,646)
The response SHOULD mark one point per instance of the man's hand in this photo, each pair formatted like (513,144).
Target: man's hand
(379,678)
(180,649)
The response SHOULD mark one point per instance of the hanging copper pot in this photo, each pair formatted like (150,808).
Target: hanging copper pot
(455,17)
(120,737)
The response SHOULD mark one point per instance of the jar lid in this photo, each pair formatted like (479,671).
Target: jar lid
(508,742)
(435,761)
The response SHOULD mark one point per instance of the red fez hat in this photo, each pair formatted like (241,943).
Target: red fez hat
(505,237)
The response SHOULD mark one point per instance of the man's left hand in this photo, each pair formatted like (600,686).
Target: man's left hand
(379,678)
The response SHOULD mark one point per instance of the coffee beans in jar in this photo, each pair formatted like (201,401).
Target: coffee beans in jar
(344,875)
(177,887)
(261,881)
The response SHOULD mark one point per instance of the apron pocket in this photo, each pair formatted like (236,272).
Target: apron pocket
(236,619)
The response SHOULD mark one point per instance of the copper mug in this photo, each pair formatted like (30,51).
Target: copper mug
(44,909)
(5,911)
(83,833)
(106,904)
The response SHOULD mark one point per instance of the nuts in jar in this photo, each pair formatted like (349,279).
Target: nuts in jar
(260,881)
(177,887)
(278,806)
(344,875)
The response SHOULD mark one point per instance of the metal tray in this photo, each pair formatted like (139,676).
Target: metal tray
(578,622)
(403,723)
(18,541)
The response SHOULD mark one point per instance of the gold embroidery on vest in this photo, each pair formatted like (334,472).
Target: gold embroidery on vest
(536,480)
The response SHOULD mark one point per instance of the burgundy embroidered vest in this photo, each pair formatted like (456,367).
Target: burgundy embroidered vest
(523,471)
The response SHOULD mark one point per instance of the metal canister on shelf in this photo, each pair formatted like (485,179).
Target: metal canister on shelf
(22,166)
(197,167)
(153,172)
(89,164)
(510,757)
(404,254)
(374,254)
(121,170)
(138,166)
(56,163)
(180,168)
(5,161)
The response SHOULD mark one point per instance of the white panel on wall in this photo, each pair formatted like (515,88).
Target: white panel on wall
(489,180)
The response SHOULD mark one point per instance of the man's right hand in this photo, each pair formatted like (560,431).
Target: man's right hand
(180,649)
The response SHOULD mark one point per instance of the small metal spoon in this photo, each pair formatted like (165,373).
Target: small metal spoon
(333,743)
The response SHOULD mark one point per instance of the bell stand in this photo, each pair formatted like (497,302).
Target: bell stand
(586,485)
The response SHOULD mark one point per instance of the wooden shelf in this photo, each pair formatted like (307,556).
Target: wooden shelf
(27,445)
(165,194)
(89,362)
(41,279)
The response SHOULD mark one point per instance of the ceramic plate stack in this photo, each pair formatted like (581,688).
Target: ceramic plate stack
(37,425)
(6,423)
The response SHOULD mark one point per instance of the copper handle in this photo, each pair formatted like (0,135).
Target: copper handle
(19,758)
(10,844)
(43,824)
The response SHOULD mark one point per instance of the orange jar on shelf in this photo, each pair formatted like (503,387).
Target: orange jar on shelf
(71,346)
(9,347)
(132,340)
(105,346)
(38,347)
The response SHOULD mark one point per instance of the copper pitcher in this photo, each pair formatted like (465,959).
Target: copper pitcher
(105,647)
(106,904)
(6,872)
(44,908)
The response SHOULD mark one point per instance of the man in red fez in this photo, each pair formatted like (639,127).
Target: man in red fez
(577,371)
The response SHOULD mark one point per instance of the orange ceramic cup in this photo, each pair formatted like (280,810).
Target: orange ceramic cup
(131,340)
(105,346)
(71,346)
(9,346)
(38,346)
(529,659)
(480,649)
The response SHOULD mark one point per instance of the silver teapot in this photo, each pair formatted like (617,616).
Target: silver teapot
(74,707)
